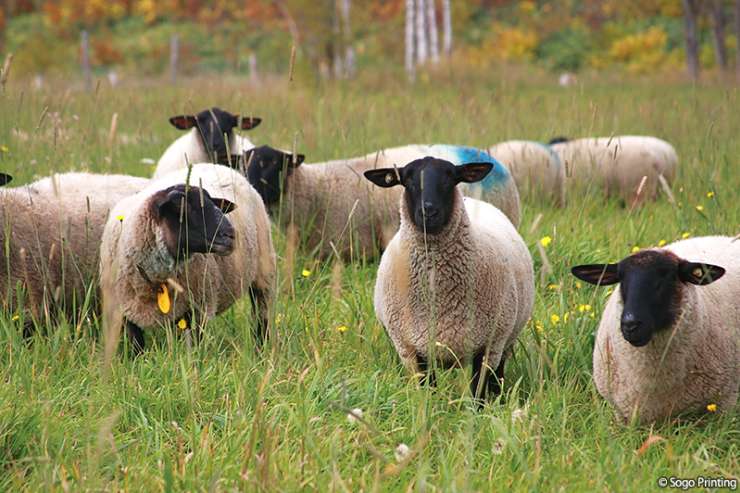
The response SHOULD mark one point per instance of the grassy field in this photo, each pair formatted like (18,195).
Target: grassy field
(219,417)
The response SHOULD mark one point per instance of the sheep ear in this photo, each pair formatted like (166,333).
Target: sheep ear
(699,273)
(295,160)
(249,122)
(183,122)
(558,140)
(472,172)
(384,177)
(226,206)
(598,274)
(5,179)
(169,200)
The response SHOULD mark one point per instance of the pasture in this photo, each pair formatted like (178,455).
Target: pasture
(219,417)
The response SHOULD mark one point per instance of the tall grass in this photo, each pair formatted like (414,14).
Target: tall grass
(219,417)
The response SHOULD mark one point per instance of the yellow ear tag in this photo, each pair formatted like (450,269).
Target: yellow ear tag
(163,299)
(182,324)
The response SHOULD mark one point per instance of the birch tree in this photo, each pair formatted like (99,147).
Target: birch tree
(349,49)
(447,27)
(422,48)
(432,25)
(410,62)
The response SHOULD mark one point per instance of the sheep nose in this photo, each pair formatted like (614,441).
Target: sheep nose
(430,210)
(630,324)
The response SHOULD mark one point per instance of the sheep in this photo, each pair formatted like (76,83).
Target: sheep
(535,167)
(211,139)
(147,250)
(456,282)
(620,163)
(332,202)
(669,338)
(52,230)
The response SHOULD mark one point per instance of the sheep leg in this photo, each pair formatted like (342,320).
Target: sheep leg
(135,337)
(491,385)
(259,305)
(427,372)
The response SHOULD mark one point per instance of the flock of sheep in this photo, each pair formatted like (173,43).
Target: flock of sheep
(455,282)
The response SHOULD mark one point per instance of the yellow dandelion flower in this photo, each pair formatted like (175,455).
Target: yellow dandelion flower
(710,195)
(4,148)
(584,308)
(578,285)
(119,217)
(15,317)
(712,408)
(342,329)
(635,249)
(182,324)
(306,273)
(700,208)
(685,235)
(554,319)
(539,327)
(662,243)
(553,287)
(545,241)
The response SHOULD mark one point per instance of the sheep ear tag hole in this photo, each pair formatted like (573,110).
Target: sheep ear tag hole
(163,299)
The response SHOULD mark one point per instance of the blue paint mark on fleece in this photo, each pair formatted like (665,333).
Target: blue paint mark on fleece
(554,157)
(459,155)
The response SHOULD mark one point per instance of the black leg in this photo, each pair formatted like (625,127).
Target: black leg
(495,384)
(259,305)
(29,328)
(427,372)
(135,337)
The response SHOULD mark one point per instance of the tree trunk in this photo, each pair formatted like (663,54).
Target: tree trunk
(447,27)
(690,33)
(737,37)
(410,62)
(335,50)
(422,48)
(718,33)
(432,25)
(349,50)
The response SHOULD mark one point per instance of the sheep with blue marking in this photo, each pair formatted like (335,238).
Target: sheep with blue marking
(537,169)
(456,283)
(332,202)
(620,164)
(210,139)
(669,337)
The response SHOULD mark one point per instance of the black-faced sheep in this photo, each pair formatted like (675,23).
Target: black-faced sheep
(172,234)
(456,282)
(210,138)
(669,337)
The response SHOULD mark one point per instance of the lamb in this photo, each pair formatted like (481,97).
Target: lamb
(149,249)
(669,338)
(535,167)
(52,230)
(332,202)
(211,138)
(456,282)
(620,163)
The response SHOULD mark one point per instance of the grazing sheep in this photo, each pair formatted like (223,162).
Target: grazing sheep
(619,163)
(332,203)
(52,230)
(456,282)
(211,138)
(536,168)
(669,338)
(171,235)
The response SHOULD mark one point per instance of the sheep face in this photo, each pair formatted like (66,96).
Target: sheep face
(191,221)
(430,188)
(651,288)
(268,169)
(216,129)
